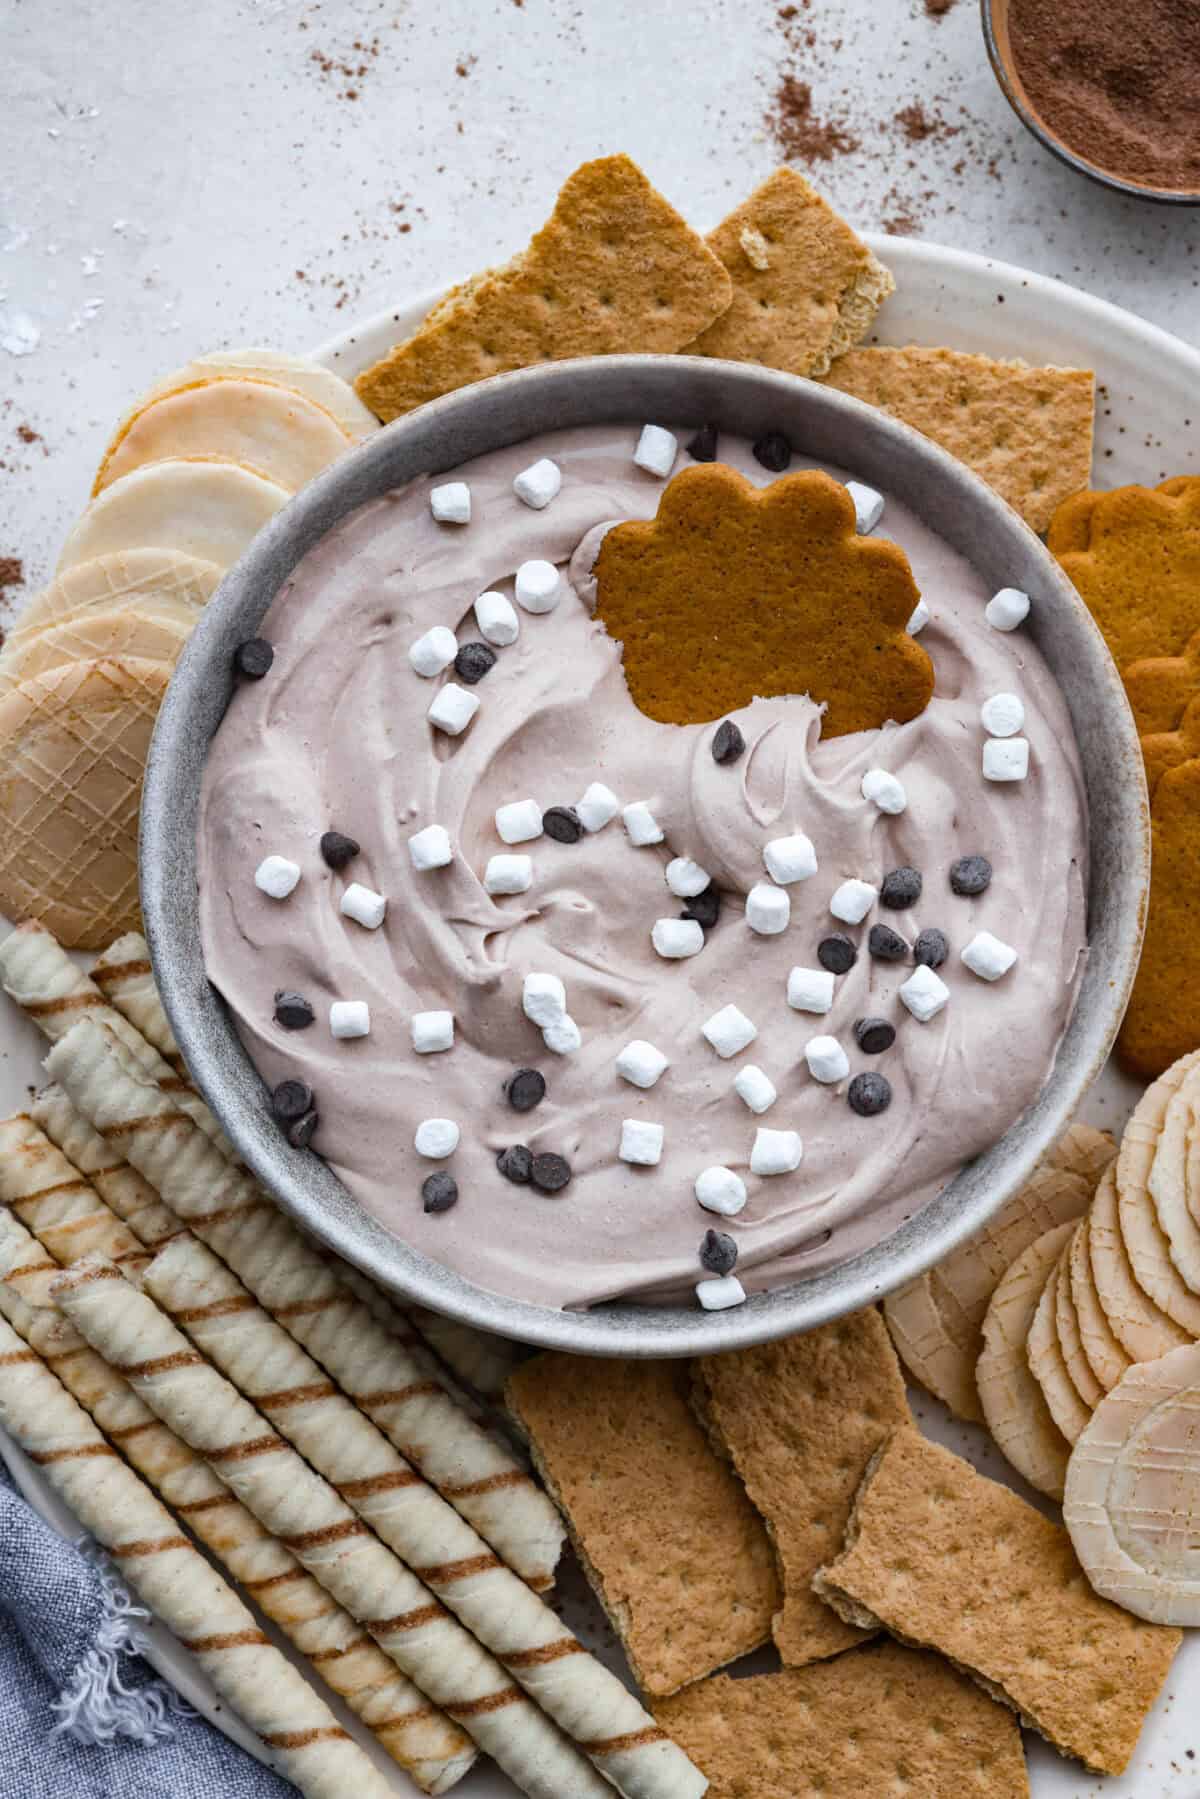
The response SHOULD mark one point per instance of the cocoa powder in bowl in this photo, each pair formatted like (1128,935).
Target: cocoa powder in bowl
(1118,84)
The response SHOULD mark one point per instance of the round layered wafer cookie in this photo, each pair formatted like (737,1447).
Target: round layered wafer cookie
(1143,1331)
(294,372)
(1013,1403)
(73,748)
(270,429)
(1132,1500)
(1082,1149)
(927,1349)
(153,636)
(1145,1238)
(1070,1334)
(209,510)
(1175,1170)
(145,577)
(1106,1357)
(1047,1363)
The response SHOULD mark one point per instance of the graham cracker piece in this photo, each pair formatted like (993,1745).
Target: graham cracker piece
(805,288)
(1162,1022)
(882,1720)
(1134,555)
(677,1555)
(1161,688)
(1026,431)
(800,1419)
(947,1560)
(614,268)
(759,591)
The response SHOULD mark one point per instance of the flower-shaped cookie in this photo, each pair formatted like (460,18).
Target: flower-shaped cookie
(1163,1021)
(734,592)
(1134,555)
(1161,688)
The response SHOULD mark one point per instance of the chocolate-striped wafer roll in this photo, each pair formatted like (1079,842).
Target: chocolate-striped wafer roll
(229,1210)
(436,1752)
(124,976)
(176,1582)
(270,1368)
(307,1515)
(125,1191)
(52,1198)
(481,1359)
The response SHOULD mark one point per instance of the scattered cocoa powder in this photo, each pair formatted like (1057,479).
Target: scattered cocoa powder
(937,9)
(799,133)
(917,125)
(12,572)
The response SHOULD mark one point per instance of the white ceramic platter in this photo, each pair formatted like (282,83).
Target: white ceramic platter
(1147,428)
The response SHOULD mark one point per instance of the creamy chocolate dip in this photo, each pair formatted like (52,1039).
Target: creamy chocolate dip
(336,737)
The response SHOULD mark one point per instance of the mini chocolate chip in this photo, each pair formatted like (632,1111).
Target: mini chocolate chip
(874,1035)
(773,451)
(902,887)
(837,953)
(439,1191)
(550,1173)
(718,1252)
(931,947)
(970,874)
(703,447)
(525,1089)
(474,661)
(704,908)
(293,1011)
(728,744)
(337,849)
(253,658)
(885,944)
(516,1164)
(301,1133)
(562,823)
(291,1100)
(869,1094)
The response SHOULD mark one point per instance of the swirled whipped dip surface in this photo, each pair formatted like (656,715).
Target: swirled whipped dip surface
(336,737)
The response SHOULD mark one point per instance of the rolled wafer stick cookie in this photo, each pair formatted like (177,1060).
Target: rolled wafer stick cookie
(228,1210)
(301,1508)
(125,977)
(480,1358)
(177,1583)
(263,1361)
(121,1187)
(420,1738)
(54,1201)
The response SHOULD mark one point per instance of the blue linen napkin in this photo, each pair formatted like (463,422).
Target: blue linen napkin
(82,1716)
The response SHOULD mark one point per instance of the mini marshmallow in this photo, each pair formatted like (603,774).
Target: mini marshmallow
(432,1031)
(810,989)
(641,1142)
(768,909)
(434,651)
(868,506)
(1006,759)
(918,618)
(453,709)
(729,1031)
(790,859)
(924,993)
(598,805)
(350,1018)
(276,876)
(450,504)
(363,905)
(537,586)
(1007,609)
(563,1037)
(756,1088)
(538,484)
(655,451)
(508,874)
(720,1190)
(853,900)
(720,1293)
(988,957)
(430,848)
(675,938)
(1002,715)
(685,877)
(436,1138)
(544,999)
(641,1064)
(775,1152)
(497,619)
(827,1060)
(641,824)
(884,789)
(519,822)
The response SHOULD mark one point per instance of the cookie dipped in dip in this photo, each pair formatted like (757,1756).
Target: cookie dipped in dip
(587,1003)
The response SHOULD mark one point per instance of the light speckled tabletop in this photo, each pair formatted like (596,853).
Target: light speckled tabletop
(175,176)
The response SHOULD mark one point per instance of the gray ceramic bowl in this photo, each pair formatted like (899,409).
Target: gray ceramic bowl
(830,428)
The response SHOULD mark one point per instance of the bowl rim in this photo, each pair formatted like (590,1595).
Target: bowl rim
(306,1187)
